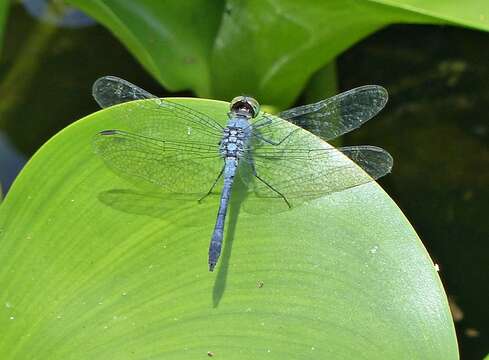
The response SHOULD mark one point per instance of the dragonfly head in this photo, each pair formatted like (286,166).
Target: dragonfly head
(245,105)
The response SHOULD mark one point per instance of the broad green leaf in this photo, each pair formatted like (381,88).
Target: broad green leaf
(173,40)
(268,49)
(473,13)
(93,268)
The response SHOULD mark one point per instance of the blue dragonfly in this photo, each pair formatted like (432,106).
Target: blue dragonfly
(184,151)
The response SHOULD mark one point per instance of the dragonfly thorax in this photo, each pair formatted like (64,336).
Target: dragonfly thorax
(233,142)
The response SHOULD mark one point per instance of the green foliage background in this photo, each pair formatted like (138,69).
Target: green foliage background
(268,49)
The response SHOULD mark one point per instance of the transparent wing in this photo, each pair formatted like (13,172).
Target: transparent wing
(157,118)
(339,114)
(162,143)
(301,167)
(111,90)
(179,167)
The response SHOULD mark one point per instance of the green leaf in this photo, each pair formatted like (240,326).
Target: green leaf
(94,269)
(173,40)
(474,13)
(268,49)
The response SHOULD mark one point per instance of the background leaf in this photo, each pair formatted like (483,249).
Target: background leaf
(172,40)
(343,276)
(268,49)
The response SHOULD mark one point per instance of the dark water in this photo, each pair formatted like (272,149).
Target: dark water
(436,126)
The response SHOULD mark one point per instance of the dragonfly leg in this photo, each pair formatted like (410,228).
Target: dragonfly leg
(252,164)
(213,186)
(275,190)
(275,143)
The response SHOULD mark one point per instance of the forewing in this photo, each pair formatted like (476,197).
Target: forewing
(111,90)
(178,167)
(162,143)
(157,118)
(339,114)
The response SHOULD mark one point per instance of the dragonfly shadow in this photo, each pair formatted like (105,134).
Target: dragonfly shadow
(238,197)
(153,204)
(161,206)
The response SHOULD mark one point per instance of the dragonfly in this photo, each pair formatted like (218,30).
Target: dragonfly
(185,151)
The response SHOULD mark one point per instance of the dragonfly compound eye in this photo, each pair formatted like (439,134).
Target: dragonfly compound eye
(245,105)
